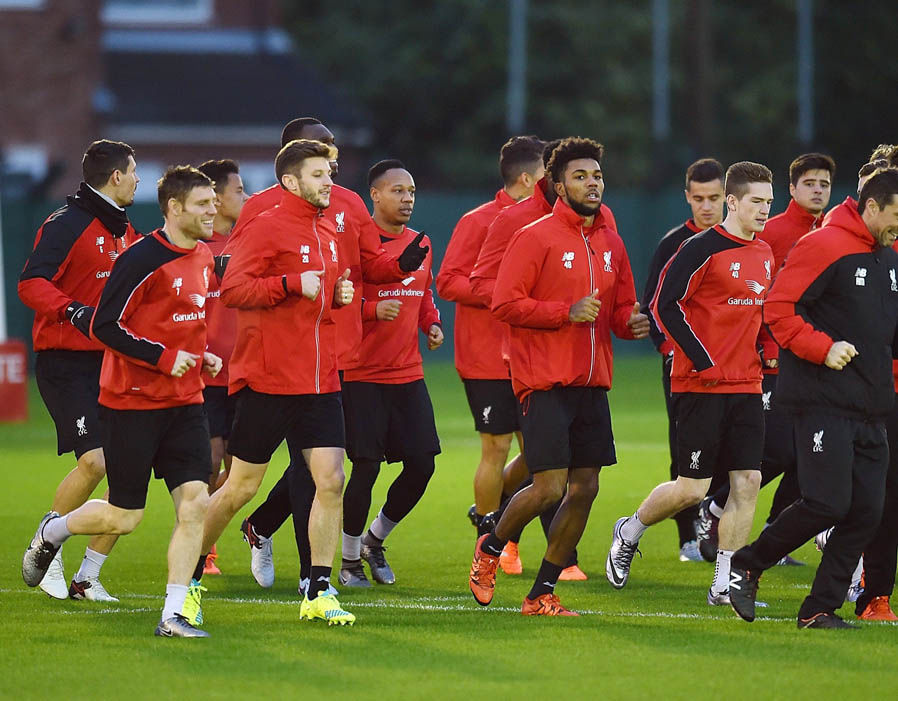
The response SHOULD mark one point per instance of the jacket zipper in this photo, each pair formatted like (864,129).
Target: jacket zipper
(592,324)
(320,313)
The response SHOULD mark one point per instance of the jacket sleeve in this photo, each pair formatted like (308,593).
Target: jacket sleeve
(428,314)
(683,276)
(128,283)
(798,285)
(624,296)
(662,254)
(378,266)
(244,285)
(453,280)
(48,259)
(486,267)
(517,277)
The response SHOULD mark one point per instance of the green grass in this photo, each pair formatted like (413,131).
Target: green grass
(425,637)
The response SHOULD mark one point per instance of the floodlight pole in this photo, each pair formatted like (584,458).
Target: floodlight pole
(660,70)
(805,72)
(517,66)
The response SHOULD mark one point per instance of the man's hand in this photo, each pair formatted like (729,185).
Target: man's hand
(311,283)
(770,363)
(709,376)
(388,309)
(587,309)
(183,362)
(839,355)
(80,315)
(434,337)
(638,323)
(211,363)
(343,291)
(411,258)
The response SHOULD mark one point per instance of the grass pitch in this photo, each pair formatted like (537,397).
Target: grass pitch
(424,637)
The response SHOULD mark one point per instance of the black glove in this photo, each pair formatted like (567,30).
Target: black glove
(80,316)
(413,255)
(221,263)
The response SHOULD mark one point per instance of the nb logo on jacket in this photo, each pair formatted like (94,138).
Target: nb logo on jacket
(567,259)
(860,277)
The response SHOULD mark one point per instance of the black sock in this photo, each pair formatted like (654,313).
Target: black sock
(305,571)
(546,579)
(200,566)
(493,545)
(320,581)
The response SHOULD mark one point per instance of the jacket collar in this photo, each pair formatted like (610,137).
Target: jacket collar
(802,217)
(845,216)
(692,226)
(504,199)
(571,219)
(299,207)
(113,218)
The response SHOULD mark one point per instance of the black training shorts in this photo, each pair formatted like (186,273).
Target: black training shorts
(69,383)
(567,427)
(718,433)
(262,421)
(220,410)
(173,443)
(493,405)
(389,422)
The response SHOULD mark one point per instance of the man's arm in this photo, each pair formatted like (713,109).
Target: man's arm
(805,275)
(453,280)
(517,276)
(683,276)
(666,248)
(49,257)
(624,315)
(243,285)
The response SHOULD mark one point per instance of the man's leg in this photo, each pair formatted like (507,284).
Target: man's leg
(735,526)
(866,487)
(191,499)
(241,486)
(302,495)
(488,478)
(356,504)
(881,554)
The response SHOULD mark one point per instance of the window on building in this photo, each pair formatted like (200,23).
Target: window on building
(156,11)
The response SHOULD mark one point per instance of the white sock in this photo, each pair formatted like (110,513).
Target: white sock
(90,565)
(721,581)
(715,510)
(381,527)
(56,530)
(175,595)
(352,547)
(632,529)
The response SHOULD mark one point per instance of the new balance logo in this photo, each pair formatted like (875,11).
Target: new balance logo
(696,455)
(339,217)
(734,269)
(755,287)
(567,259)
(101,241)
(198,300)
(607,256)
(894,286)
(79,424)
(735,581)
(176,284)
(818,441)
(486,414)
(765,400)
(860,277)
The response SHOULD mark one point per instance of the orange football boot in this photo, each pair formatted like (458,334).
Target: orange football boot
(545,605)
(483,574)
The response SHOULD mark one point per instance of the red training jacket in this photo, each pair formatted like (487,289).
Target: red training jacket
(221,321)
(359,248)
(709,302)
(557,262)
(781,232)
(71,261)
(389,351)
(477,334)
(152,307)
(286,343)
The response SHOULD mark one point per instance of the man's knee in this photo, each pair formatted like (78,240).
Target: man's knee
(495,447)
(690,491)
(123,521)
(549,486)
(193,503)
(329,481)
(93,463)
(584,490)
(744,484)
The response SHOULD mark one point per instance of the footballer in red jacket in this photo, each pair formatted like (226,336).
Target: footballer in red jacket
(284,277)
(151,320)
(564,289)
(389,415)
(62,281)
(709,303)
